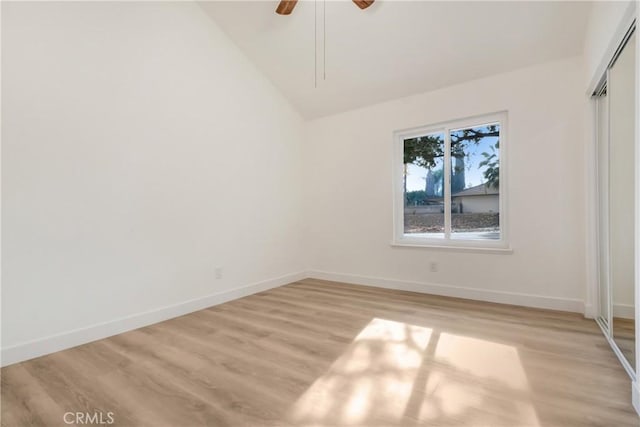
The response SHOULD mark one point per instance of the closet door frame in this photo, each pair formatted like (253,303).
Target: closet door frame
(602,215)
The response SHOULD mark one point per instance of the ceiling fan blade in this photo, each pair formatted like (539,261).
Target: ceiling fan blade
(363,4)
(286,7)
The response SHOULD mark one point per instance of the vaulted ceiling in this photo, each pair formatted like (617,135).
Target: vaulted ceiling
(395,48)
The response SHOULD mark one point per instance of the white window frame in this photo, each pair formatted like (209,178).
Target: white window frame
(402,239)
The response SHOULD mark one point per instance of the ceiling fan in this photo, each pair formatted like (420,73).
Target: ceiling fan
(286,6)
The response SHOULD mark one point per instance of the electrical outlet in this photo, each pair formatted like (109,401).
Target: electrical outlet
(218,272)
(433,267)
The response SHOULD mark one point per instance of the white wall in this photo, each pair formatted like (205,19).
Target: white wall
(349,201)
(481,204)
(140,151)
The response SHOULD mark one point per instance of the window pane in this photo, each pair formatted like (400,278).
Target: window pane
(424,186)
(475,191)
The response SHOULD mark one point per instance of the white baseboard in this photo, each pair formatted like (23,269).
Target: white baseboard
(527,300)
(635,396)
(590,311)
(40,347)
(624,311)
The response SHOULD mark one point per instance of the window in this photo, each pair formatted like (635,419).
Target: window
(449,182)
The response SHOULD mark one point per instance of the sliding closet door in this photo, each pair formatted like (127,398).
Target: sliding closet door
(621,94)
(602,117)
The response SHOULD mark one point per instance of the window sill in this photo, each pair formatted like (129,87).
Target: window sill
(454,248)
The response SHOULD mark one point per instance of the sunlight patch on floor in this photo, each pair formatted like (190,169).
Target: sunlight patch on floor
(482,359)
(374,376)
(473,368)
(396,373)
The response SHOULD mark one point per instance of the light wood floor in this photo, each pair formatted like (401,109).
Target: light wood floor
(317,353)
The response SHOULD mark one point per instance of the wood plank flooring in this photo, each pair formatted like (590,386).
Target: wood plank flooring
(318,353)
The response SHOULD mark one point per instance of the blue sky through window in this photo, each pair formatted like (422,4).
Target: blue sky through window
(474,174)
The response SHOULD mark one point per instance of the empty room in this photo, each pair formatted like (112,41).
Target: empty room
(320,213)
